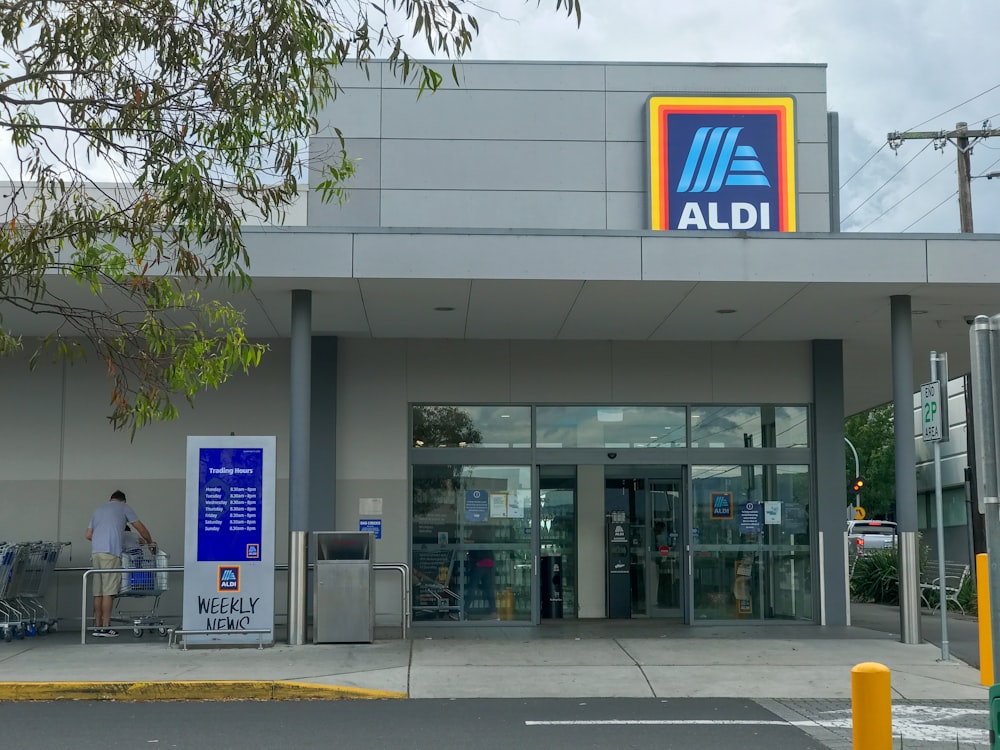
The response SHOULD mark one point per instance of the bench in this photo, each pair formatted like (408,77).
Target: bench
(955,575)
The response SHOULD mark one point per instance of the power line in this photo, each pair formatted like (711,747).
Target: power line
(877,152)
(879,188)
(932,210)
(942,114)
(904,197)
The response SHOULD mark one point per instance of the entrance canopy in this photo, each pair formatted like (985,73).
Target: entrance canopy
(624,286)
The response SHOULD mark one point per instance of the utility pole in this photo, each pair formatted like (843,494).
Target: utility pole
(964,139)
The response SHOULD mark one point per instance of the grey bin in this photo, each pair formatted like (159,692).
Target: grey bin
(343,587)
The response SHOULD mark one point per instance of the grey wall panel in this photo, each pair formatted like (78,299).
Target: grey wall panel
(433,377)
(371,413)
(357,113)
(493,165)
(828,429)
(364,152)
(813,212)
(496,256)
(395,512)
(812,168)
(712,78)
(768,258)
(661,371)
(560,371)
(627,165)
(590,542)
(628,211)
(494,115)
(533,76)
(32,402)
(351,75)
(627,116)
(761,372)
(493,209)
(272,256)
(362,209)
(955,260)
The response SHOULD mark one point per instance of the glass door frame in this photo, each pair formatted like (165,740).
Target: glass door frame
(649,473)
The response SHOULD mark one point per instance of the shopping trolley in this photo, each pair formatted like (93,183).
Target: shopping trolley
(30,580)
(11,621)
(147,579)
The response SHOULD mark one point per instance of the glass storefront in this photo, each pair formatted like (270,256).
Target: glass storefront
(472,543)
(750,542)
(709,541)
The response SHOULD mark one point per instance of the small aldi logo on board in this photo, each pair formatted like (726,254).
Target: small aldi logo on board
(722,162)
(229,579)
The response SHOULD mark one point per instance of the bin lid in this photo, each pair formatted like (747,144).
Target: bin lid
(342,545)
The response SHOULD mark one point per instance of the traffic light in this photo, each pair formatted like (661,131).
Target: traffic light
(857,485)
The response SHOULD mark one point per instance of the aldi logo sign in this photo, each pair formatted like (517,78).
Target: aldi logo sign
(719,162)
(229,579)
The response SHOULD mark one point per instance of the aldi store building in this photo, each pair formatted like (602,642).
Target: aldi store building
(580,344)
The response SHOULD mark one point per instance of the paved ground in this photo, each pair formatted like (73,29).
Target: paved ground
(802,673)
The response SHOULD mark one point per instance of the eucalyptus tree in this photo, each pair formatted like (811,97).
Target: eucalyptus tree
(139,136)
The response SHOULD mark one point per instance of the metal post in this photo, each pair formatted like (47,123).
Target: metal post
(298,459)
(857,469)
(983,339)
(942,594)
(906,480)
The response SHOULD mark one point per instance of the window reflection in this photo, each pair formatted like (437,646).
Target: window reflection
(611,427)
(442,426)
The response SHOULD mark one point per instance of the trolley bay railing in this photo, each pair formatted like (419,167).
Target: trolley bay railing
(402,568)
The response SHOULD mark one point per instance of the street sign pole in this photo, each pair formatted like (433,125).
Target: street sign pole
(932,395)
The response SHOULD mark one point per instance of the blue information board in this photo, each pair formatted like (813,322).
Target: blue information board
(477,507)
(751,518)
(229,503)
(373,525)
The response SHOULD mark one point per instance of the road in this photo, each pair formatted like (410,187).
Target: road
(481,724)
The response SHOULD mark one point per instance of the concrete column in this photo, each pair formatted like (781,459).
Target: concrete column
(298,459)
(828,413)
(906,476)
(323,431)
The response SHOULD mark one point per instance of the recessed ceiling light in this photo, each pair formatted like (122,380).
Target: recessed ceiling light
(505,416)
(726,311)
(444,308)
(653,437)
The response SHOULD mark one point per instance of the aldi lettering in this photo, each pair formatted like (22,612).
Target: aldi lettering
(722,163)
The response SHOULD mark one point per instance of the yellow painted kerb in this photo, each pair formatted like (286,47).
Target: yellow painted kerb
(188,690)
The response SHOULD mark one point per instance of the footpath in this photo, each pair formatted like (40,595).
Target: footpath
(800,672)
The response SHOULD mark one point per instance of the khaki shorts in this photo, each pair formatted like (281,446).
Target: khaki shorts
(106,584)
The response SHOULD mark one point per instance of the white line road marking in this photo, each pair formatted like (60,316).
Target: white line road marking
(912,722)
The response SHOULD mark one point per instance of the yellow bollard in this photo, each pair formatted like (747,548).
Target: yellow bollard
(871,706)
(983,608)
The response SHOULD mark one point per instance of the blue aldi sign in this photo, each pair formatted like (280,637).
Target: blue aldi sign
(722,163)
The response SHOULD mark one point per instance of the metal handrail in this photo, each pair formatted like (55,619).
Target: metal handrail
(404,571)
(402,568)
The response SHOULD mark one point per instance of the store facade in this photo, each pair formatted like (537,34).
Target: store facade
(577,320)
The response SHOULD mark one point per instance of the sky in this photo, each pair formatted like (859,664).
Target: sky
(892,66)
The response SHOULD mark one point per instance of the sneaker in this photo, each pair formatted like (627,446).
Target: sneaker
(110,633)
(100,633)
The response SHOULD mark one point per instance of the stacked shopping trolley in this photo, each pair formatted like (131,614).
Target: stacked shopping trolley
(25,571)
(146,579)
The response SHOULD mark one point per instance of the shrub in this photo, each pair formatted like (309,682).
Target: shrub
(875,577)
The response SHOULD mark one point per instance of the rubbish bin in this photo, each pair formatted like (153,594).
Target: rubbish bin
(552,587)
(343,587)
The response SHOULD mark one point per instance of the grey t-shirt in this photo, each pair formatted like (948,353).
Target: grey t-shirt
(107,524)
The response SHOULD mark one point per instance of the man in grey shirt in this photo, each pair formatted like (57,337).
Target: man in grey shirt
(105,532)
